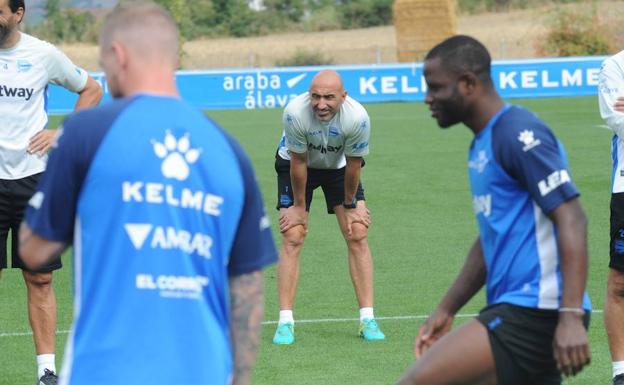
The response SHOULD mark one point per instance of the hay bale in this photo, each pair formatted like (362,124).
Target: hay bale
(421,24)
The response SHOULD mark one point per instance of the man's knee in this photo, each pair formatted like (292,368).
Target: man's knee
(294,237)
(418,375)
(38,280)
(359,235)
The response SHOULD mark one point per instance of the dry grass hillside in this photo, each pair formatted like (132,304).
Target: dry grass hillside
(508,36)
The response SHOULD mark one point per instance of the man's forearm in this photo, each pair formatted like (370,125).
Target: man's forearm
(298,178)
(470,280)
(572,242)
(352,178)
(246,311)
(90,96)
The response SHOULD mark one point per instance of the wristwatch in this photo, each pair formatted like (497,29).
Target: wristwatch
(351,205)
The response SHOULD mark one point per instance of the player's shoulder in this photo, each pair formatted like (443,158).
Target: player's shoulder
(298,109)
(90,120)
(520,128)
(36,46)
(354,106)
(298,105)
(614,62)
(353,115)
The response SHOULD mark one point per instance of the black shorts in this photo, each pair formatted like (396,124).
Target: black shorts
(521,339)
(331,181)
(14,196)
(617,232)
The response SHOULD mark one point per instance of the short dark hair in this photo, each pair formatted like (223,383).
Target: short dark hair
(460,54)
(16,4)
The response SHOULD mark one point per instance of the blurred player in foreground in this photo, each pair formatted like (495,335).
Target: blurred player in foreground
(611,100)
(167,223)
(531,252)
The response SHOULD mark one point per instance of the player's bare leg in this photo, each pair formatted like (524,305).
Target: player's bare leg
(360,259)
(288,266)
(42,317)
(614,314)
(361,270)
(287,280)
(41,310)
(463,356)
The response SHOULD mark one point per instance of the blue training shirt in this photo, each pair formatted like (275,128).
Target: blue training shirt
(162,206)
(519,174)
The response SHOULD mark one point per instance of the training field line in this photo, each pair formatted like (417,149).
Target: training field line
(304,321)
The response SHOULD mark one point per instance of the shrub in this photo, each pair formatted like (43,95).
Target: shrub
(576,34)
(303,57)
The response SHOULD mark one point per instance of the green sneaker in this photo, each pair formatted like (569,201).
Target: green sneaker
(369,330)
(285,334)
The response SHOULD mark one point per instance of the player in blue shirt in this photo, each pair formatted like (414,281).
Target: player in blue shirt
(167,222)
(531,252)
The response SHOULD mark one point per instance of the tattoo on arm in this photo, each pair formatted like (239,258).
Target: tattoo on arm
(247,308)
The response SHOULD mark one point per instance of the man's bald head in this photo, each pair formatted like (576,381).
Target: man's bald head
(328,79)
(326,94)
(146,30)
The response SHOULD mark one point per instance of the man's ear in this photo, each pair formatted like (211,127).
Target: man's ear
(120,54)
(468,83)
(20,14)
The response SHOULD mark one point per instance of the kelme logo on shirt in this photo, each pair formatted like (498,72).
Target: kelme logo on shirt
(527,137)
(177,155)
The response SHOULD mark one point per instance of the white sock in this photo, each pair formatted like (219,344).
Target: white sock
(45,361)
(286,316)
(366,313)
(618,367)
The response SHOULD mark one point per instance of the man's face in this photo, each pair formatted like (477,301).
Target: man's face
(326,101)
(446,103)
(8,21)
(108,63)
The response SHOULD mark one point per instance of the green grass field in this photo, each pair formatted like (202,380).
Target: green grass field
(417,190)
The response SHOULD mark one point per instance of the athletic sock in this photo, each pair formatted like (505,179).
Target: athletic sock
(618,367)
(286,316)
(366,313)
(45,361)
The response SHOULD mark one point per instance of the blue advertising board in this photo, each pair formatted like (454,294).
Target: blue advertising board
(275,87)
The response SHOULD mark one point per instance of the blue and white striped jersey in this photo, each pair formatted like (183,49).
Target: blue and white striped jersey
(519,174)
(162,206)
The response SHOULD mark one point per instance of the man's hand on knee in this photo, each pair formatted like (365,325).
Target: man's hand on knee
(293,216)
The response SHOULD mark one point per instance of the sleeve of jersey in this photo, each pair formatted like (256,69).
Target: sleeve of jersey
(610,87)
(295,134)
(253,246)
(52,210)
(63,72)
(356,143)
(533,156)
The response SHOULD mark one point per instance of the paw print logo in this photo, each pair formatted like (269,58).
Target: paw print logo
(177,155)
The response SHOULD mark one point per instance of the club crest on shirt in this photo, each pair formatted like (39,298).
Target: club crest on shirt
(23,65)
(527,137)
